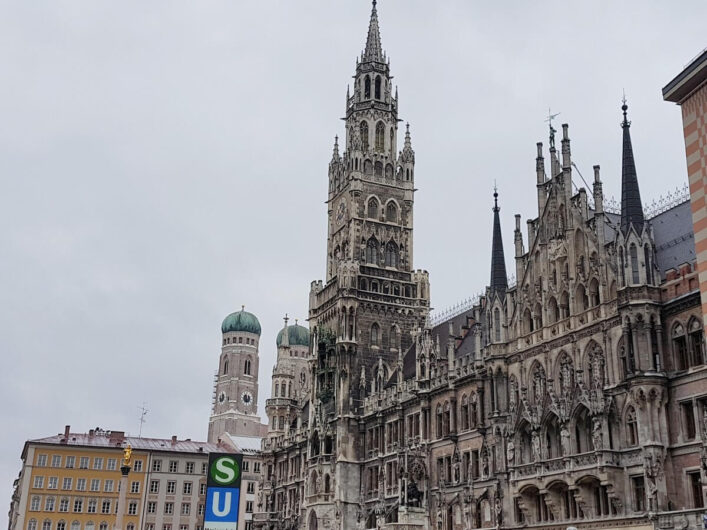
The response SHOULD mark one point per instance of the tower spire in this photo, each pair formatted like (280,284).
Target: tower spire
(499,280)
(631,206)
(373,51)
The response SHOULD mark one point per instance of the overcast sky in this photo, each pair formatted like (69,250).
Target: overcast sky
(164,162)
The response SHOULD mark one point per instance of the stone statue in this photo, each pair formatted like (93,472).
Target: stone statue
(457,474)
(597,439)
(485,464)
(565,439)
(536,446)
(510,452)
(127,455)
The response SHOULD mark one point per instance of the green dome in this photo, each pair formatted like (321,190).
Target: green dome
(241,321)
(297,336)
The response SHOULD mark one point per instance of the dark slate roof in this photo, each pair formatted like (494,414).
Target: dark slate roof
(499,279)
(674,237)
(442,330)
(409,370)
(631,207)
(374,50)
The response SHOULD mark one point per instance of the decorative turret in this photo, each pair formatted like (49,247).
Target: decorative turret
(499,279)
(374,50)
(631,207)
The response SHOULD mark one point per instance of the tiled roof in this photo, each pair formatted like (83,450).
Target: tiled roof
(106,440)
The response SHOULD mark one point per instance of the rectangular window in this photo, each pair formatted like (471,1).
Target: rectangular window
(688,420)
(249,525)
(249,507)
(695,482)
(250,487)
(246,465)
(201,509)
(83,462)
(154,486)
(56,460)
(151,507)
(166,526)
(169,508)
(70,461)
(78,505)
(49,504)
(186,508)
(38,482)
(150,526)
(80,484)
(256,467)
(183,527)
(98,463)
(639,494)
(202,489)
(203,468)
(135,487)
(34,504)
(53,483)
(171,487)
(64,505)
(108,485)
(66,485)
(95,484)
(105,507)
(92,504)
(111,464)
(189,468)
(41,460)
(186,490)
(157,465)
(137,466)
(173,464)
(132,508)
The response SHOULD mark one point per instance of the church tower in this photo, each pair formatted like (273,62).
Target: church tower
(234,409)
(363,317)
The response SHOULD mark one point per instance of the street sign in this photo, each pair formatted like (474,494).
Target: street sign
(223,491)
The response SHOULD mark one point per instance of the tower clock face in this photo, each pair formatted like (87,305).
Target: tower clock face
(247,398)
(222,397)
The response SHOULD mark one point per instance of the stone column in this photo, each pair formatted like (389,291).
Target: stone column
(122,498)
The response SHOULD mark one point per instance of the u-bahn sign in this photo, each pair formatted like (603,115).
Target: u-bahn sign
(223,491)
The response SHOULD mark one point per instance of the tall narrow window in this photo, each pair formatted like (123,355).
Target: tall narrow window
(634,264)
(622,266)
(649,267)
(225,366)
(497,324)
(392,140)
(380,137)
(378,87)
(639,494)
(367,88)
(696,489)
(375,334)
(372,251)
(391,213)
(363,130)
(688,420)
(680,347)
(696,342)
(631,428)
(373,208)
(391,254)
(246,369)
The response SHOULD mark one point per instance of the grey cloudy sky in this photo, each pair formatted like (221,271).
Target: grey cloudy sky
(164,162)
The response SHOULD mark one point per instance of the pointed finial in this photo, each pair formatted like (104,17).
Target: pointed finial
(296,321)
(624,108)
(495,197)
(243,307)
(286,319)
(373,51)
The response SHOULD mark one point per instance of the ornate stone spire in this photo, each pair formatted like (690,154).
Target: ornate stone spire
(335,158)
(631,207)
(499,280)
(373,51)
(408,155)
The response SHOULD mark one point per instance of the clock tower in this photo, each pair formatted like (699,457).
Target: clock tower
(235,399)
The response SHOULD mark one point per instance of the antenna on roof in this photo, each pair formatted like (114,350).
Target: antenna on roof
(143,413)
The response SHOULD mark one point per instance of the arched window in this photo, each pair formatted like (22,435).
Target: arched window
(622,266)
(47,525)
(246,368)
(565,305)
(75,525)
(225,366)
(464,413)
(391,213)
(631,428)
(375,334)
(394,337)
(649,267)
(61,525)
(553,310)
(367,88)
(380,137)
(527,321)
(594,293)
(378,169)
(439,421)
(391,254)
(497,324)
(378,87)
(373,208)
(634,264)
(372,252)
(327,483)
(392,140)
(32,524)
(697,341)
(680,347)
(363,130)
(581,299)
(473,410)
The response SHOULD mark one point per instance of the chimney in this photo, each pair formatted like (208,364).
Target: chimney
(174,439)
(67,432)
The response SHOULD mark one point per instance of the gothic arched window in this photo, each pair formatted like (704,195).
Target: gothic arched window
(246,368)
(372,251)
(391,213)
(631,428)
(497,324)
(697,341)
(649,268)
(622,266)
(634,264)
(363,130)
(380,137)
(392,140)
(367,88)
(391,254)
(225,366)
(680,347)
(373,208)
(378,87)
(375,334)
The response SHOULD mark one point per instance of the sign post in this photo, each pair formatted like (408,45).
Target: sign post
(223,491)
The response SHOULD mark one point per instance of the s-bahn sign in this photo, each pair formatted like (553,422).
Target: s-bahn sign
(223,491)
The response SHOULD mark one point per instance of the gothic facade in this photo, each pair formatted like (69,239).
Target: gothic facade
(575,397)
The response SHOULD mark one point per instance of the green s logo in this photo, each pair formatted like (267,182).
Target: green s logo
(225,470)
